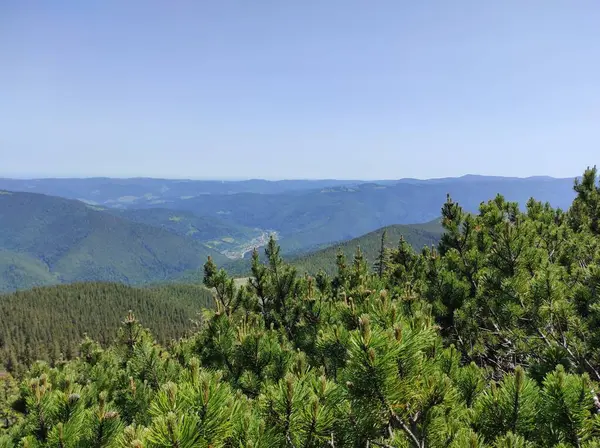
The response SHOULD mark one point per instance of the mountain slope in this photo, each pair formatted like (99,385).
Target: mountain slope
(19,271)
(70,241)
(43,322)
(227,238)
(417,235)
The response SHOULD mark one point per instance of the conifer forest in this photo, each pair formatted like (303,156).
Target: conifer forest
(489,339)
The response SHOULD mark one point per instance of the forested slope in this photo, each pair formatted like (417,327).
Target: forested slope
(22,271)
(47,239)
(417,235)
(49,323)
(212,231)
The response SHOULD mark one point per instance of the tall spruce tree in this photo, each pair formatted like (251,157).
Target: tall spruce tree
(381,264)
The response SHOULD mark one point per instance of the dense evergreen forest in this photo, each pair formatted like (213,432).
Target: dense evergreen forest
(48,323)
(489,339)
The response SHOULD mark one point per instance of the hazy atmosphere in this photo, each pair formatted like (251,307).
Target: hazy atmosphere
(313,89)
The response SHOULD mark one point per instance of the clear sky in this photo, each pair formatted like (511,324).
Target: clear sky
(367,89)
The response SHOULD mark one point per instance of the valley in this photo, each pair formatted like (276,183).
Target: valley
(246,247)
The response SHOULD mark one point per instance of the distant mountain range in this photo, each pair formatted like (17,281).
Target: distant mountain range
(145,230)
(136,192)
(308,218)
(148,191)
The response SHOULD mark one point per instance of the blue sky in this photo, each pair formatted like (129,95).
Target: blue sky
(299,89)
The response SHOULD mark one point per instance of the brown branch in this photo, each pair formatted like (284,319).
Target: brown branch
(575,358)
(407,430)
(384,445)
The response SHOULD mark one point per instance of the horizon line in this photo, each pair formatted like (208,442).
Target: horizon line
(264,179)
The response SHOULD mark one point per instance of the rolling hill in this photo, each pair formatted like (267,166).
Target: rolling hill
(46,239)
(417,235)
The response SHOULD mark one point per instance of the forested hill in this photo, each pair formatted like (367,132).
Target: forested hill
(228,238)
(489,340)
(416,235)
(46,240)
(49,323)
